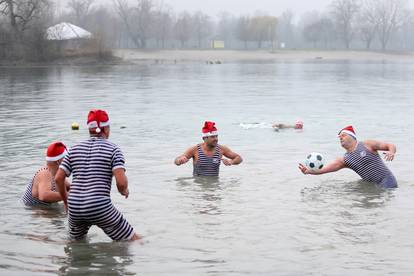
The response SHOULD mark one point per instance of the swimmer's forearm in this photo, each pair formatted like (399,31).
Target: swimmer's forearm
(334,166)
(392,148)
(50,196)
(237,160)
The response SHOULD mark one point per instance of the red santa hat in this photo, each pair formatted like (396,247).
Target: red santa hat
(348,130)
(98,118)
(56,151)
(209,129)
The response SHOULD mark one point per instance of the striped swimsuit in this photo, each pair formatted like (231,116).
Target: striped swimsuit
(206,165)
(91,164)
(369,166)
(28,198)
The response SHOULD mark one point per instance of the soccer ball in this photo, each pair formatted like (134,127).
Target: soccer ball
(314,161)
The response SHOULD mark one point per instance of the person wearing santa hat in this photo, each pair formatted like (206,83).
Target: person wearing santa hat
(297,125)
(363,158)
(208,155)
(41,190)
(92,164)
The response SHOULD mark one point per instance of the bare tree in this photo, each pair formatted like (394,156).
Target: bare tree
(163,19)
(105,27)
(125,14)
(17,42)
(271,22)
(138,20)
(79,10)
(202,27)
(183,28)
(344,14)
(22,13)
(321,30)
(367,22)
(311,33)
(243,29)
(226,27)
(406,31)
(311,27)
(390,15)
(286,28)
(144,20)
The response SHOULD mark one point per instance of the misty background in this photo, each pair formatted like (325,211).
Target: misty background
(184,24)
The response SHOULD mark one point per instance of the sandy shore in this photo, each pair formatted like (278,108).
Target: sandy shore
(223,56)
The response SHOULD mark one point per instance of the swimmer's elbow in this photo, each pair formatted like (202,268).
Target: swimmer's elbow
(240,159)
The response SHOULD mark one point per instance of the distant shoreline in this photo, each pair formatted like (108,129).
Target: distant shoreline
(223,56)
(139,56)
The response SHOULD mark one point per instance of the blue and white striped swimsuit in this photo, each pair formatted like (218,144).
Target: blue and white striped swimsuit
(369,166)
(28,198)
(91,164)
(206,165)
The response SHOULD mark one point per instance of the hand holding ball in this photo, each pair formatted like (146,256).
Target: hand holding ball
(314,161)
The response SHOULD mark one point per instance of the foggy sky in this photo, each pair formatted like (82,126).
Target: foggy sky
(244,7)
(238,7)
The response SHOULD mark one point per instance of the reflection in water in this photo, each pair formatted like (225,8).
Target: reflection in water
(368,195)
(359,193)
(47,225)
(206,188)
(85,258)
(347,211)
(54,211)
(206,196)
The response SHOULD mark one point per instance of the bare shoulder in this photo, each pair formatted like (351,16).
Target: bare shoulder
(370,142)
(372,145)
(191,150)
(43,176)
(224,148)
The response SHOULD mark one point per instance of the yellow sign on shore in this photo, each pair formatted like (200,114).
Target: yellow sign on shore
(218,44)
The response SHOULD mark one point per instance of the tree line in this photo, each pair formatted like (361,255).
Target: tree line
(147,24)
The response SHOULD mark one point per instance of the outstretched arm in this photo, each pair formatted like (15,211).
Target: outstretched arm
(233,158)
(334,166)
(187,155)
(281,126)
(389,148)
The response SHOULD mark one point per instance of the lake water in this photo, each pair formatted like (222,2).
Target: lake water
(260,218)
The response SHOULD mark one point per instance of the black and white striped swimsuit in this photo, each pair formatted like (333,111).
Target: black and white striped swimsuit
(369,166)
(91,164)
(206,165)
(28,198)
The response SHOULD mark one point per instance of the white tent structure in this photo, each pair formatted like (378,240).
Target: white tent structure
(66,31)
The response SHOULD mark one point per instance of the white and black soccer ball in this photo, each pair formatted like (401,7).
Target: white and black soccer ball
(314,161)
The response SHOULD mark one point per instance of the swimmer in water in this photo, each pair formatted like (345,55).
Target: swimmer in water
(278,126)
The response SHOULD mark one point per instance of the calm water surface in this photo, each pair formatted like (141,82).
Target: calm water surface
(260,218)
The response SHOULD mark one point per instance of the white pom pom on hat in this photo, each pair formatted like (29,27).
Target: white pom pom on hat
(98,118)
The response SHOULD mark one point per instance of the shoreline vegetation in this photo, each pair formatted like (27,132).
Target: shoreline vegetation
(138,56)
